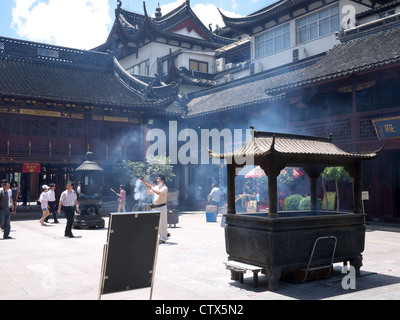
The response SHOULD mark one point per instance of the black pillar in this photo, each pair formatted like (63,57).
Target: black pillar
(357,187)
(231,189)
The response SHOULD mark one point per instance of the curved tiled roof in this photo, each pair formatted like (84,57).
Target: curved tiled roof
(261,16)
(363,54)
(73,76)
(136,28)
(295,148)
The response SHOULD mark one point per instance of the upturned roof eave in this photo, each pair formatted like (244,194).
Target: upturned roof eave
(312,154)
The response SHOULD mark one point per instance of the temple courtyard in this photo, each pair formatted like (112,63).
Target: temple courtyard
(40,263)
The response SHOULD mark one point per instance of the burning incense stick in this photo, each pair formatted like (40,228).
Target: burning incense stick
(114,191)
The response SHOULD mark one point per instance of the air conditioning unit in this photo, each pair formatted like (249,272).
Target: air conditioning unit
(299,53)
(255,67)
(228,77)
(252,68)
(220,65)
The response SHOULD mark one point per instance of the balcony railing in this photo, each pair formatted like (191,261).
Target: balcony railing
(70,152)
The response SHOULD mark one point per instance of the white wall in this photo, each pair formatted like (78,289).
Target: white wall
(150,52)
(153,50)
(312,47)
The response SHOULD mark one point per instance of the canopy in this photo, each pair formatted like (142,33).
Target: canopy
(272,152)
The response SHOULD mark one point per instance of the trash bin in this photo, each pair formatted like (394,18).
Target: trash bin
(173,217)
(211,213)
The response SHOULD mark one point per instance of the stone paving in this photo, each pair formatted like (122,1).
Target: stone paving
(40,263)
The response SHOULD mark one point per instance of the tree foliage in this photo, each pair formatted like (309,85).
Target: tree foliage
(338,174)
(292,202)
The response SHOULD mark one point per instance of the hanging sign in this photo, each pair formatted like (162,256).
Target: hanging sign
(387,128)
(31,167)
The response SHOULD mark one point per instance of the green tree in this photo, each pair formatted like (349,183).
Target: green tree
(305,203)
(292,202)
(337,174)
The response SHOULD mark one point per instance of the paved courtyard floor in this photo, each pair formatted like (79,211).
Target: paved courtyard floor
(40,263)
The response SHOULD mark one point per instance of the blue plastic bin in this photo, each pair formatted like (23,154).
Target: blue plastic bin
(211,216)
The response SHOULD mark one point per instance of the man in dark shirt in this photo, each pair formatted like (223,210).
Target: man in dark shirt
(5,209)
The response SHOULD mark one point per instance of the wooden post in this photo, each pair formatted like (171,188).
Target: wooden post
(313,172)
(314,199)
(272,171)
(231,189)
(272,194)
(357,187)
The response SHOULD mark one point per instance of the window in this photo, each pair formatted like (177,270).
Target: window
(142,68)
(44,129)
(61,129)
(200,66)
(35,128)
(70,130)
(318,24)
(5,125)
(386,14)
(111,133)
(15,125)
(25,127)
(273,41)
(53,129)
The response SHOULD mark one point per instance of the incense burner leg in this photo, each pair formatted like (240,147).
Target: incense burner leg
(356,262)
(273,275)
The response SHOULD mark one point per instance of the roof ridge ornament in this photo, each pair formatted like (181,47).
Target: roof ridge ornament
(158,13)
(272,148)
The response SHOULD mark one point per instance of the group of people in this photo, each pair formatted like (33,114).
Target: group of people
(160,191)
(68,203)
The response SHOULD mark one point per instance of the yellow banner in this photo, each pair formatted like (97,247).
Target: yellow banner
(43,113)
(330,197)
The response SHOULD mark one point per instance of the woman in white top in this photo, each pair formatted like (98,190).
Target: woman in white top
(52,203)
(44,199)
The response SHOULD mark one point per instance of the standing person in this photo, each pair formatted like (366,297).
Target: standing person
(44,199)
(160,192)
(52,203)
(215,195)
(14,195)
(5,209)
(79,188)
(68,201)
(122,198)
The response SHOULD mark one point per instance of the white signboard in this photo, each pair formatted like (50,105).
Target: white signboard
(365,195)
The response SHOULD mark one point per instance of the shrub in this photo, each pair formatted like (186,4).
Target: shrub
(305,203)
(292,202)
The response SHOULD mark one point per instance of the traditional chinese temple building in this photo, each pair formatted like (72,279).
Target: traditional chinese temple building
(58,103)
(307,67)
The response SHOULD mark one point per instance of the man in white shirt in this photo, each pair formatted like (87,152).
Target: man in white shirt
(215,195)
(68,201)
(160,192)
